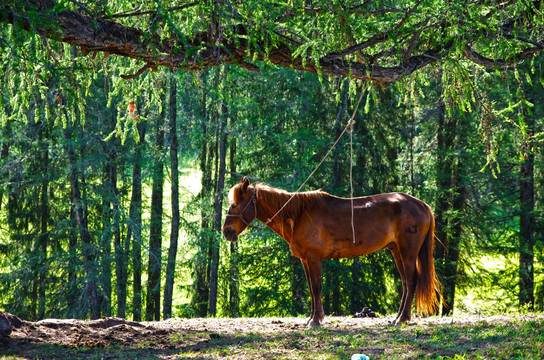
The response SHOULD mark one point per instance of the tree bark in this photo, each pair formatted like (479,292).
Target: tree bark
(201,259)
(450,202)
(443,178)
(111,219)
(73,291)
(80,211)
(4,153)
(73,262)
(121,269)
(443,200)
(155,227)
(234,271)
(527,227)
(174,234)
(44,229)
(218,203)
(105,241)
(332,299)
(453,240)
(135,225)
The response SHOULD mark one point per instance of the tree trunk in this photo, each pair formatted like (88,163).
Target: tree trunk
(80,211)
(450,202)
(119,247)
(218,203)
(155,227)
(44,224)
(201,259)
(453,241)
(441,208)
(135,225)
(443,172)
(234,271)
(38,250)
(73,261)
(174,234)
(73,292)
(12,188)
(4,151)
(527,227)
(332,298)
(105,241)
(112,228)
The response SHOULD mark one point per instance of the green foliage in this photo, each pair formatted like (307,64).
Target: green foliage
(281,123)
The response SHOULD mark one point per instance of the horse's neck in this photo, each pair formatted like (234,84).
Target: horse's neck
(268,209)
(269,212)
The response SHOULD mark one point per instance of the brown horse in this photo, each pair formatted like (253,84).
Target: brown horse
(317,226)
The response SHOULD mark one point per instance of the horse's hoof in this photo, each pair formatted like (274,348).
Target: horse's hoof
(399,322)
(313,324)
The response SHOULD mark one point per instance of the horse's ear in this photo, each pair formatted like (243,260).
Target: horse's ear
(245,183)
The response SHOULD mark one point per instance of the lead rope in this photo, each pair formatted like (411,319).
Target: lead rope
(349,124)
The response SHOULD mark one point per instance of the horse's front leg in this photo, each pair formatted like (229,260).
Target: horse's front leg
(315,286)
(307,273)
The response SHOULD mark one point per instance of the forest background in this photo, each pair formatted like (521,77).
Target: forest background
(113,180)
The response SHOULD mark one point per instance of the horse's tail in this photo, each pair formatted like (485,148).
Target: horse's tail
(428,285)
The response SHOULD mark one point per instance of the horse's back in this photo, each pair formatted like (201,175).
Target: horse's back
(393,205)
(379,221)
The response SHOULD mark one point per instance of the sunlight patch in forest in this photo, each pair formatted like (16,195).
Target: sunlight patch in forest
(189,188)
(490,293)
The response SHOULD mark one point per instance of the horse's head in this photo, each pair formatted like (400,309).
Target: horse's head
(242,209)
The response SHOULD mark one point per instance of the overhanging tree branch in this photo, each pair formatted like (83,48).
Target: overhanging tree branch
(479,59)
(100,35)
(200,50)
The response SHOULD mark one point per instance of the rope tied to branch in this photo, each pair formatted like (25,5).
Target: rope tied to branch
(349,125)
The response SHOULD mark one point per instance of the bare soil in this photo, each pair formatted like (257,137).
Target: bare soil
(109,338)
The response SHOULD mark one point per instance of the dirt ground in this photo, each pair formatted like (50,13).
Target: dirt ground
(56,338)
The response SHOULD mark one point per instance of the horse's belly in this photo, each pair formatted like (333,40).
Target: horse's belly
(366,240)
(353,250)
(334,238)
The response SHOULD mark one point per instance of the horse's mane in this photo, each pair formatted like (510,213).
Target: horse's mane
(275,198)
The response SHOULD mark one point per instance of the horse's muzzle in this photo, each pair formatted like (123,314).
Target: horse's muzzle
(230,234)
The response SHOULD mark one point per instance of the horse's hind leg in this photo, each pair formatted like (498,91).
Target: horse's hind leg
(409,262)
(400,267)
